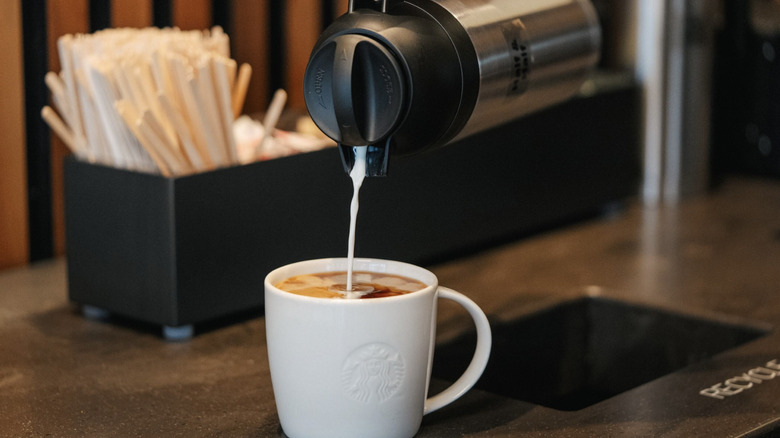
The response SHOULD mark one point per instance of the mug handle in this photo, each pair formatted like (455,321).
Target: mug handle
(478,361)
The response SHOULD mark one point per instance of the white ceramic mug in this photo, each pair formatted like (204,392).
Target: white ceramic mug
(360,368)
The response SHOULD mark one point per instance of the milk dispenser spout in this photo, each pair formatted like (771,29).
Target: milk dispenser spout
(406,76)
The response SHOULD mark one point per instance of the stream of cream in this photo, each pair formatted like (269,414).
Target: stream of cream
(358,174)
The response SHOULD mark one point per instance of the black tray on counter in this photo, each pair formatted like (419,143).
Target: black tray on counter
(180,251)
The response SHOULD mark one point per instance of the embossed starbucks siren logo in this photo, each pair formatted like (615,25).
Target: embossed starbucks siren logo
(373,373)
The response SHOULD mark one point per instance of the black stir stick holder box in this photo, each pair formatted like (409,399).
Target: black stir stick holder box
(177,251)
(180,251)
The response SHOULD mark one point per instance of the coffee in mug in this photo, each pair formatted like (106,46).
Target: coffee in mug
(364,285)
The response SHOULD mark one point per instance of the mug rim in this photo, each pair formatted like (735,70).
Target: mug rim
(270,287)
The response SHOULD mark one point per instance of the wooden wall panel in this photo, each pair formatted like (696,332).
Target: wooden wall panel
(64,17)
(131,13)
(302,28)
(14,229)
(249,40)
(340,7)
(191,14)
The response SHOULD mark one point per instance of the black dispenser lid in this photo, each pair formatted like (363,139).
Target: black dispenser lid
(387,75)
(354,89)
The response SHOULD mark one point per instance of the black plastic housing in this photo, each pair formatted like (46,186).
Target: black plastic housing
(381,79)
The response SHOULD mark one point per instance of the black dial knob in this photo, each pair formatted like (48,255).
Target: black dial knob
(354,89)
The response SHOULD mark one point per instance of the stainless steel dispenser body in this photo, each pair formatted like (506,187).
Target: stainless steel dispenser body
(531,54)
(407,76)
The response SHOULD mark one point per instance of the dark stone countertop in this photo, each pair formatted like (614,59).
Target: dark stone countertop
(714,258)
